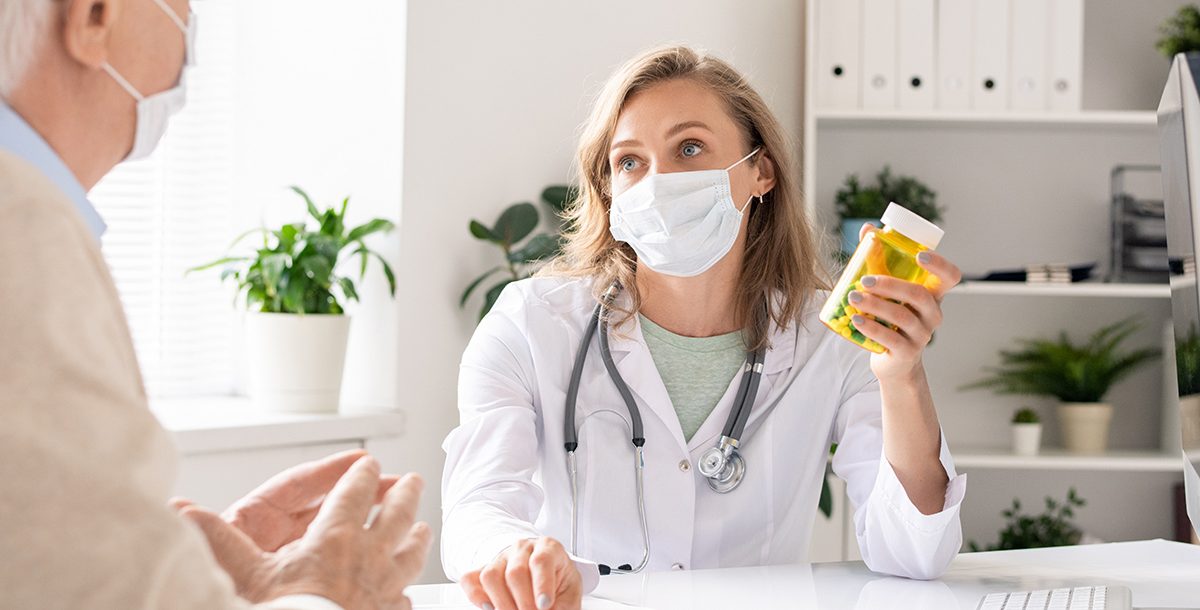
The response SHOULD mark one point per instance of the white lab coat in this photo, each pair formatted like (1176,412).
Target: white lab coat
(505,477)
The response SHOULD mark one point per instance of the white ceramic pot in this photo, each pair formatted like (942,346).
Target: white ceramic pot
(1026,438)
(295,361)
(1189,420)
(1085,426)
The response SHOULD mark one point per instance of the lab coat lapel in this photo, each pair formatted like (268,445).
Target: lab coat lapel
(632,358)
(779,359)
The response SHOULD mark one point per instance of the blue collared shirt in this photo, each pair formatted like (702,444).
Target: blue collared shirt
(18,138)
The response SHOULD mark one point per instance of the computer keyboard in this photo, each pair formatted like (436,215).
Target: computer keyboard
(1078,598)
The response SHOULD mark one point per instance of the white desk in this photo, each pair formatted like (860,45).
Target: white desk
(1161,574)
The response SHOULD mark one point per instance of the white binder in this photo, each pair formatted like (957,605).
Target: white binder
(838,62)
(1065,55)
(878,54)
(915,78)
(955,53)
(989,83)
(1029,41)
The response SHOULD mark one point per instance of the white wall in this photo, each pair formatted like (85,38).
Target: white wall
(494,94)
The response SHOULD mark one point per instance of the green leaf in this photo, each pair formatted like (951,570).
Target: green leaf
(475,284)
(825,503)
(559,196)
(388,273)
(273,266)
(217,263)
(482,232)
(239,238)
(516,223)
(540,247)
(373,226)
(492,295)
(348,288)
(293,294)
(317,268)
(312,207)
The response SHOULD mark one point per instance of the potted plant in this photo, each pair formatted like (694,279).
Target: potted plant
(858,205)
(1026,432)
(296,327)
(1181,33)
(1051,528)
(1187,371)
(520,260)
(1079,376)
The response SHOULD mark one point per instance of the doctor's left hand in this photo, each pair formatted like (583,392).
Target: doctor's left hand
(280,510)
(915,309)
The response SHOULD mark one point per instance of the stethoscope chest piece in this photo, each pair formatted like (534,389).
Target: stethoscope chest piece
(723,467)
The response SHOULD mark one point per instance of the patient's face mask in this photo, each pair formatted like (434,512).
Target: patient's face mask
(680,223)
(155,111)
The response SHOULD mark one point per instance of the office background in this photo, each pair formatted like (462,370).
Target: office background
(433,112)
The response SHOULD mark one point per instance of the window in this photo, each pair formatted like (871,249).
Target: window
(173,211)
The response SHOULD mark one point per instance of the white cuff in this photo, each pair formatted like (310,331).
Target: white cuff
(589,573)
(895,497)
(299,602)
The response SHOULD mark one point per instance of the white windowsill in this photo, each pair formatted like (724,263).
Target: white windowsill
(231,423)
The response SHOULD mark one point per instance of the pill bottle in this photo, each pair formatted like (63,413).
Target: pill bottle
(891,251)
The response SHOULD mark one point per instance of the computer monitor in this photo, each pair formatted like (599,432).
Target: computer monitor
(1179,141)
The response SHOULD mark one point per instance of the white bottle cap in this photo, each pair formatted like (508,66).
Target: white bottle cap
(912,226)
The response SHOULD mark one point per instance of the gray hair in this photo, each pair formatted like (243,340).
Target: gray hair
(22,28)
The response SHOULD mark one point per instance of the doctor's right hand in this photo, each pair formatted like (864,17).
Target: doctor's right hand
(533,574)
(357,564)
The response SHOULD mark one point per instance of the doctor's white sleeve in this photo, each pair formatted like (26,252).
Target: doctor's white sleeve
(489,497)
(893,535)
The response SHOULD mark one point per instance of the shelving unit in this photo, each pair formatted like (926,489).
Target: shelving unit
(1025,188)
(1127,119)
(1079,289)
(1057,459)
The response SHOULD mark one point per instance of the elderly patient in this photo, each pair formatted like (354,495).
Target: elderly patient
(84,466)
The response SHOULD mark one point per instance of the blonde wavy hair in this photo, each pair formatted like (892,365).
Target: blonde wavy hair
(782,260)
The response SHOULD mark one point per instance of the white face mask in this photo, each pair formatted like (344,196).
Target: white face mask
(155,111)
(679,223)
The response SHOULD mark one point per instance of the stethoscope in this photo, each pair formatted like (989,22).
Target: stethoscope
(722,465)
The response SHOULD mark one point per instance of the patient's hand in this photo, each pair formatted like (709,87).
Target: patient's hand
(279,510)
(529,575)
(339,556)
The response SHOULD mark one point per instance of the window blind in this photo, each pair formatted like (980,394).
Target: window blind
(173,211)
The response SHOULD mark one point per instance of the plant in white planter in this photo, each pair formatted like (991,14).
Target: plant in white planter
(1026,432)
(296,328)
(1079,376)
(858,204)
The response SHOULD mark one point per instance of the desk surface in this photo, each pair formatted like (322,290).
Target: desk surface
(1161,574)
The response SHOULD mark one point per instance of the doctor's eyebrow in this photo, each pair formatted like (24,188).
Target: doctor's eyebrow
(678,127)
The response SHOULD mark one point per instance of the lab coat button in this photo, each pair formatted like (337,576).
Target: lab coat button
(685,465)
(677,566)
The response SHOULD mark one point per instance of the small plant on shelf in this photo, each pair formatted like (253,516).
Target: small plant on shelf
(1180,33)
(1025,415)
(855,201)
(1070,372)
(1187,362)
(1051,528)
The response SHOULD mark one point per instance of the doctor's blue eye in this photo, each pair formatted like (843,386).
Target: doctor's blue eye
(691,149)
(627,164)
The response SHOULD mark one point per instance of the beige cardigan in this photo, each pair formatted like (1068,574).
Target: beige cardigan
(85,469)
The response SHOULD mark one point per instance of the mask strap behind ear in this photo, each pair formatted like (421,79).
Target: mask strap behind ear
(129,88)
(743,209)
(739,162)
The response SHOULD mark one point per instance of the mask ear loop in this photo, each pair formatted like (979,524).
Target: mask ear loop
(739,161)
(747,204)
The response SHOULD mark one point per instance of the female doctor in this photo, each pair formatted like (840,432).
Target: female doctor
(663,396)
